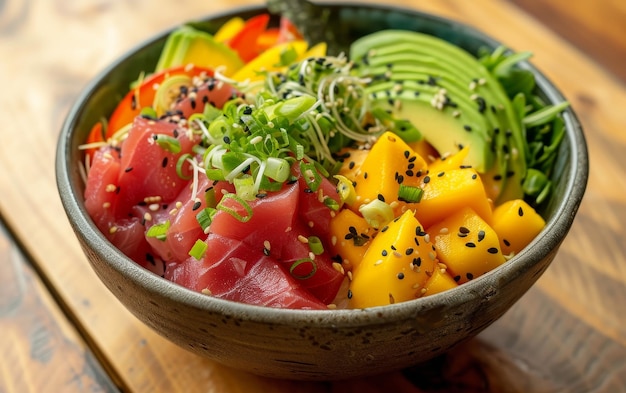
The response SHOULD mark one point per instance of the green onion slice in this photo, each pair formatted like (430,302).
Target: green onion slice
(179,166)
(302,261)
(168,143)
(205,217)
(159,231)
(310,175)
(233,212)
(198,250)
(315,244)
(410,194)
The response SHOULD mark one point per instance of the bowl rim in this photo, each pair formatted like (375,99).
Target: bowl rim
(548,240)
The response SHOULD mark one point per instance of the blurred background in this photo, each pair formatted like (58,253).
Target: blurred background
(596,27)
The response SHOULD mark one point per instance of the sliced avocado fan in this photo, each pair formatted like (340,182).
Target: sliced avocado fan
(452,100)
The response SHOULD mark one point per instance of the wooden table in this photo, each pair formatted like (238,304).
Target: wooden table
(61,330)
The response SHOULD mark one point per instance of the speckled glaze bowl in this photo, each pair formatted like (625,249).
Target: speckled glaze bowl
(315,345)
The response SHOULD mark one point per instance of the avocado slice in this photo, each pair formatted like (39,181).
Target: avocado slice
(439,86)
(187,45)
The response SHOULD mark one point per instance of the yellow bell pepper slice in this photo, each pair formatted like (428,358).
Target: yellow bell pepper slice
(270,60)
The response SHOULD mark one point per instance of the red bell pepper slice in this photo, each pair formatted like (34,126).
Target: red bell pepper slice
(245,42)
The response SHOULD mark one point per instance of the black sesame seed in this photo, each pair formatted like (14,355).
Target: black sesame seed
(247,111)
(464,230)
(400,179)
(196,205)
(409,251)
(406,154)
(469,276)
(482,105)
(426,179)
(226,139)
(409,173)
(349,294)
(164,162)
(384,253)
(457,278)
(381,197)
(385,228)
(365,175)
(266,252)
(506,242)
(474,176)
(417,261)
(520,211)
(400,276)
(492,250)
(467,128)
(470,245)
(130,168)
(351,165)
(440,174)
(481,235)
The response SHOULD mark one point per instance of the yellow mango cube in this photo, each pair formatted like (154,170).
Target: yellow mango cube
(391,162)
(516,224)
(395,267)
(449,191)
(466,245)
(350,237)
(440,281)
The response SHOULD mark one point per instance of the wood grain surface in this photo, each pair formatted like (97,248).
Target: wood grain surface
(567,334)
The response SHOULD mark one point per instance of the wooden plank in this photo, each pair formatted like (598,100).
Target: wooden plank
(580,292)
(596,27)
(41,350)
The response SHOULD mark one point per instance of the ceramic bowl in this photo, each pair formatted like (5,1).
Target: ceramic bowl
(316,345)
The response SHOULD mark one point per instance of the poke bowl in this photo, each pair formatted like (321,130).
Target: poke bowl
(334,341)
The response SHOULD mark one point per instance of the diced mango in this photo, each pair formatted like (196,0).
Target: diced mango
(446,163)
(516,224)
(449,191)
(352,161)
(440,281)
(395,267)
(391,162)
(268,61)
(466,245)
(350,237)
(424,149)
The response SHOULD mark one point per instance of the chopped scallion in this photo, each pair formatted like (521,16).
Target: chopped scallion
(205,217)
(198,250)
(234,212)
(299,262)
(168,143)
(315,244)
(410,194)
(159,231)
